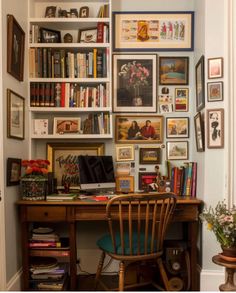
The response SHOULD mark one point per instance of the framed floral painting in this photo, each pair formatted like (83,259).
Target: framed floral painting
(134,83)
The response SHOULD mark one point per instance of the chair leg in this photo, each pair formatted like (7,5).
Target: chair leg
(163,274)
(121,276)
(99,269)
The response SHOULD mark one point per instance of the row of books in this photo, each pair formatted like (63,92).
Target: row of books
(66,94)
(104,11)
(184,178)
(60,63)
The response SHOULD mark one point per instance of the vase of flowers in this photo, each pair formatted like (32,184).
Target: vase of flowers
(34,181)
(135,75)
(222,221)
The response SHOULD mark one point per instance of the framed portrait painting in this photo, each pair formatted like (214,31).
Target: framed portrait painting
(215,128)
(15,115)
(63,158)
(13,171)
(15,48)
(200,81)
(173,70)
(153,31)
(134,83)
(199,132)
(139,129)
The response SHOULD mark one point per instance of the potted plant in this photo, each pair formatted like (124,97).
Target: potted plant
(34,180)
(222,221)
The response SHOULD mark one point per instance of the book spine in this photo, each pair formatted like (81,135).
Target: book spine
(100,32)
(95,63)
(32,94)
(53,253)
(194,180)
(189,180)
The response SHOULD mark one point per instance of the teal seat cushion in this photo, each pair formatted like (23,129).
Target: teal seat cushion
(105,243)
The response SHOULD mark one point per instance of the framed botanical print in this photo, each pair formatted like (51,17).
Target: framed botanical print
(200,87)
(215,128)
(134,83)
(177,127)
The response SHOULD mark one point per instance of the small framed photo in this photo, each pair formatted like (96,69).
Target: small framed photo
(199,132)
(66,125)
(84,12)
(13,171)
(124,153)
(177,150)
(150,155)
(88,35)
(123,168)
(15,48)
(181,99)
(177,127)
(15,115)
(40,126)
(134,83)
(146,179)
(215,67)
(50,11)
(173,70)
(215,91)
(215,128)
(50,36)
(200,81)
(125,184)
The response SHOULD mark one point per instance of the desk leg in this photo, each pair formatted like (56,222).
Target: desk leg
(192,239)
(25,253)
(73,256)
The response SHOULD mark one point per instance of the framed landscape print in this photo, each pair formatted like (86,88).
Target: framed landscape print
(173,70)
(215,67)
(181,99)
(153,31)
(215,128)
(177,150)
(199,132)
(124,153)
(139,129)
(177,127)
(150,155)
(200,87)
(215,91)
(134,83)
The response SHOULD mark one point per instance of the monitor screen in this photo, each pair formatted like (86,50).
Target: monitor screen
(96,173)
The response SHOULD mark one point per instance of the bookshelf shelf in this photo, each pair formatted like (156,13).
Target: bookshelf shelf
(70,45)
(71,136)
(71,109)
(74,80)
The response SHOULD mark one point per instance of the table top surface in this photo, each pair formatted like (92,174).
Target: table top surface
(220,261)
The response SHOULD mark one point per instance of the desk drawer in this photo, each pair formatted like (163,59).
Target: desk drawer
(185,213)
(45,214)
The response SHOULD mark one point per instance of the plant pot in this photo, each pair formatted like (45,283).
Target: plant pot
(33,188)
(229,251)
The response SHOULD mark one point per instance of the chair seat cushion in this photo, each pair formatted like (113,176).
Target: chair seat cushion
(105,243)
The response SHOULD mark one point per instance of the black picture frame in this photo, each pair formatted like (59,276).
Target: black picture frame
(150,156)
(145,179)
(200,84)
(13,171)
(15,48)
(50,36)
(199,132)
(177,127)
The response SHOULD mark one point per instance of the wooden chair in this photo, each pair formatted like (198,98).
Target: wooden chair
(137,227)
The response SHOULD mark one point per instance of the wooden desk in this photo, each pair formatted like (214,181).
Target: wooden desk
(187,212)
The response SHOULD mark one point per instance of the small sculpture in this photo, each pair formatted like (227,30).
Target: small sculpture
(68,38)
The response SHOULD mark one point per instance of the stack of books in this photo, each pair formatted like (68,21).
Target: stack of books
(44,237)
(61,196)
(47,274)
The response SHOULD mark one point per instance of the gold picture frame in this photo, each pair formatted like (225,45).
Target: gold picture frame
(125,184)
(124,153)
(64,162)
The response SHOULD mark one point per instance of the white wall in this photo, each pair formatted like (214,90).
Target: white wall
(12,147)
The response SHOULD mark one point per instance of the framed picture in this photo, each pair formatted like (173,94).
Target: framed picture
(15,115)
(150,155)
(50,11)
(215,128)
(139,129)
(181,99)
(84,12)
(215,67)
(200,87)
(88,35)
(13,171)
(162,31)
(124,153)
(215,91)
(15,48)
(63,158)
(145,179)
(177,127)
(123,168)
(125,184)
(199,132)
(64,125)
(173,70)
(134,83)
(50,36)
(177,150)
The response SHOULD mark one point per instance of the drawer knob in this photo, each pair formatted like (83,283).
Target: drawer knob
(46,214)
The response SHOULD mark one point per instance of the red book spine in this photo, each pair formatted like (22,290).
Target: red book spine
(63,91)
(175,180)
(100,32)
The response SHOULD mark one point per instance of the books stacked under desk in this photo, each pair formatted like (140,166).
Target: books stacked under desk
(49,256)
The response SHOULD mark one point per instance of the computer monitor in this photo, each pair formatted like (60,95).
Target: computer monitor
(96,174)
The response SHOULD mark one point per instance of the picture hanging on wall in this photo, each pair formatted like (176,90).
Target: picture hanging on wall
(200,87)
(143,31)
(215,128)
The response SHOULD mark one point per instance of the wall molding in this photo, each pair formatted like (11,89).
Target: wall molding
(15,282)
(211,279)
